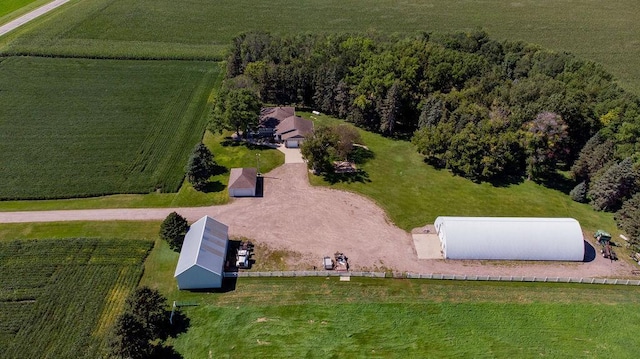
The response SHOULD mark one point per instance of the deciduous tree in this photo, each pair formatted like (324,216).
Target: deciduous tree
(173,229)
(200,167)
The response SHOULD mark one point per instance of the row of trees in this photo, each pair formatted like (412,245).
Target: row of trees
(486,110)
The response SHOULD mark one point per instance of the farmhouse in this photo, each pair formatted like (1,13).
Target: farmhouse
(293,130)
(558,239)
(270,118)
(284,126)
(242,182)
(203,255)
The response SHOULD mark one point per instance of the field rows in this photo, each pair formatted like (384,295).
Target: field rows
(59,314)
(78,128)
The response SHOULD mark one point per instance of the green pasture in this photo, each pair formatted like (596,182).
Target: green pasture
(603,32)
(79,127)
(227,153)
(363,318)
(10,9)
(147,230)
(60,297)
(413,193)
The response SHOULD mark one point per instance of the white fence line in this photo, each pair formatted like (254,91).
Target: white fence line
(584,280)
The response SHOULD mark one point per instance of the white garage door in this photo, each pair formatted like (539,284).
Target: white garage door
(243,192)
(292,143)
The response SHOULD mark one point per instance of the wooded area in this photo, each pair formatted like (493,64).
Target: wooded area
(483,109)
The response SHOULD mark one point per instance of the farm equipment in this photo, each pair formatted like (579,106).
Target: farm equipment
(341,262)
(243,256)
(602,237)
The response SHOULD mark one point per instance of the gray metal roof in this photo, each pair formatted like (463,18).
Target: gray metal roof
(205,246)
(511,238)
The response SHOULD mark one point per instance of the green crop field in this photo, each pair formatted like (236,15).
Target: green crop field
(78,127)
(604,32)
(60,297)
(388,318)
(414,193)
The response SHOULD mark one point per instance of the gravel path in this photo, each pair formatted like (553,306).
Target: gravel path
(316,221)
(12,25)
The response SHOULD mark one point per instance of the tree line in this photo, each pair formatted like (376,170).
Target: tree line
(484,109)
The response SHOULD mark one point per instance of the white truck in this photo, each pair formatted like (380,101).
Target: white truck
(242,258)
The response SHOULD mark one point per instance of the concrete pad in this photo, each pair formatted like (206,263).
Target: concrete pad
(291,155)
(427,245)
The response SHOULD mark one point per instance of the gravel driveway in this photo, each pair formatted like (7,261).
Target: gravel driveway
(316,221)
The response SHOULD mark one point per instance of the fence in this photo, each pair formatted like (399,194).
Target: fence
(434,276)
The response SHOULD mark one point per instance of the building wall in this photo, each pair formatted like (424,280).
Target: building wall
(197,277)
(558,239)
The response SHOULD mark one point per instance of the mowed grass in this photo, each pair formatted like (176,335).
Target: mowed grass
(130,230)
(59,298)
(603,32)
(79,127)
(414,194)
(9,6)
(389,318)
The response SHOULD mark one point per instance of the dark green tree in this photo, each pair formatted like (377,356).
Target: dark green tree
(608,192)
(200,167)
(319,148)
(579,192)
(148,307)
(628,218)
(236,109)
(130,340)
(391,109)
(173,229)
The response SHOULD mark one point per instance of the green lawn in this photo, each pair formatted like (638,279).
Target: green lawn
(60,297)
(147,230)
(604,32)
(414,194)
(388,318)
(77,127)
(10,6)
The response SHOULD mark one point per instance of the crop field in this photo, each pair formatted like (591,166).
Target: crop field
(79,127)
(383,318)
(60,297)
(414,193)
(604,32)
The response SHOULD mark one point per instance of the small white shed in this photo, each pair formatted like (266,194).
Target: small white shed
(203,255)
(511,238)
(243,182)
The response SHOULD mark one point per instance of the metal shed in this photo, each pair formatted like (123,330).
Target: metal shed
(511,238)
(203,255)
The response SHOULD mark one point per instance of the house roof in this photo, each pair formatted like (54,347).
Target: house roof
(243,178)
(511,238)
(303,126)
(205,246)
(270,117)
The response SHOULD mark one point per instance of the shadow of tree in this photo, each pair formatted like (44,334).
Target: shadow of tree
(161,351)
(558,182)
(360,155)
(352,177)
(215,186)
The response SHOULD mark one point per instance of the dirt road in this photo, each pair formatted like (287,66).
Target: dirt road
(314,222)
(12,25)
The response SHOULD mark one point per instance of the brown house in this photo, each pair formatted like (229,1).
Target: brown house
(284,126)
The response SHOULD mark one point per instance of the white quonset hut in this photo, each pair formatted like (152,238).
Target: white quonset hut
(546,239)
(203,255)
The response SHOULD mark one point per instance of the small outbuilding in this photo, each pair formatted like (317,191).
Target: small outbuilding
(203,255)
(510,238)
(243,182)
